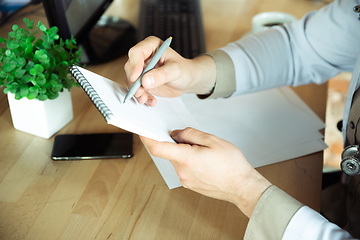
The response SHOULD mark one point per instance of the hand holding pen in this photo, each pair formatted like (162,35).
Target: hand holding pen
(172,76)
(154,60)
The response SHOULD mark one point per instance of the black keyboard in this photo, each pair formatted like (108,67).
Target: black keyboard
(181,19)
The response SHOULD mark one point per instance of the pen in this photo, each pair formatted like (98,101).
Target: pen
(150,66)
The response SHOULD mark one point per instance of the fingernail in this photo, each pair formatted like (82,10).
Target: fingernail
(174,134)
(149,81)
(148,102)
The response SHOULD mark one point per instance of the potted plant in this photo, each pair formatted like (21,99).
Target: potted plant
(35,76)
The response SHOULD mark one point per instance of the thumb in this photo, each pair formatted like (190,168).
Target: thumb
(166,150)
(156,77)
(192,136)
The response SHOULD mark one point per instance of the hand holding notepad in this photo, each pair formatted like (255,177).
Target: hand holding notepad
(153,122)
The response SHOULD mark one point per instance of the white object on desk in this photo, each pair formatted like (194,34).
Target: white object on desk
(41,118)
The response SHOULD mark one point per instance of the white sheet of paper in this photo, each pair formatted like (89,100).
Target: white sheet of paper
(259,124)
(291,152)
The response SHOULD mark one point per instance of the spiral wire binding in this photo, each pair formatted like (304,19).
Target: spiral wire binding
(90,91)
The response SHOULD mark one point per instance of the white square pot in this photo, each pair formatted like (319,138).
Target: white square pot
(41,118)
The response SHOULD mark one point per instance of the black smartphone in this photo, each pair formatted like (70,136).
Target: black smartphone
(92,146)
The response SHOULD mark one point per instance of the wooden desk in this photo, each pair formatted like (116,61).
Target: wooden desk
(128,199)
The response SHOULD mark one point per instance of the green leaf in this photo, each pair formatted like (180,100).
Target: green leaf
(21,61)
(18,95)
(46,65)
(12,89)
(29,49)
(53,96)
(29,65)
(38,43)
(8,52)
(2,40)
(57,88)
(43,28)
(33,71)
(53,30)
(42,90)
(41,80)
(3,74)
(8,67)
(20,73)
(54,76)
(42,97)
(65,63)
(12,45)
(6,90)
(33,92)
(30,39)
(53,82)
(7,59)
(11,34)
(22,43)
(15,27)
(26,78)
(19,33)
(41,56)
(24,90)
(39,68)
(30,24)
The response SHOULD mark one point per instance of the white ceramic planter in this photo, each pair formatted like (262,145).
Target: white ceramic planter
(41,118)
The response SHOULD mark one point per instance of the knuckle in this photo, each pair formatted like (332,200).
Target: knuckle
(127,66)
(151,38)
(187,131)
(131,50)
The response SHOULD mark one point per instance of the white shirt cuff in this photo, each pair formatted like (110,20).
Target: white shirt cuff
(309,224)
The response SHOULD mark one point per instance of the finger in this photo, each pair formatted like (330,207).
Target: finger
(142,99)
(139,54)
(192,136)
(166,150)
(139,92)
(151,102)
(128,72)
(148,99)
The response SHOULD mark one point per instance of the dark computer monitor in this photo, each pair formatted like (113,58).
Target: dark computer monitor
(102,38)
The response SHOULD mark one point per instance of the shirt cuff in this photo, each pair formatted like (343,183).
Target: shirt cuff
(225,83)
(313,226)
(271,215)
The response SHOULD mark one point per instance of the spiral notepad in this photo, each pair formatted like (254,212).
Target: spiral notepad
(90,91)
(152,122)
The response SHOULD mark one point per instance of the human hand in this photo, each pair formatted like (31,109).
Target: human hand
(212,166)
(172,76)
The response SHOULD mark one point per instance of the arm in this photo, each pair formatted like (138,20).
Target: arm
(310,50)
